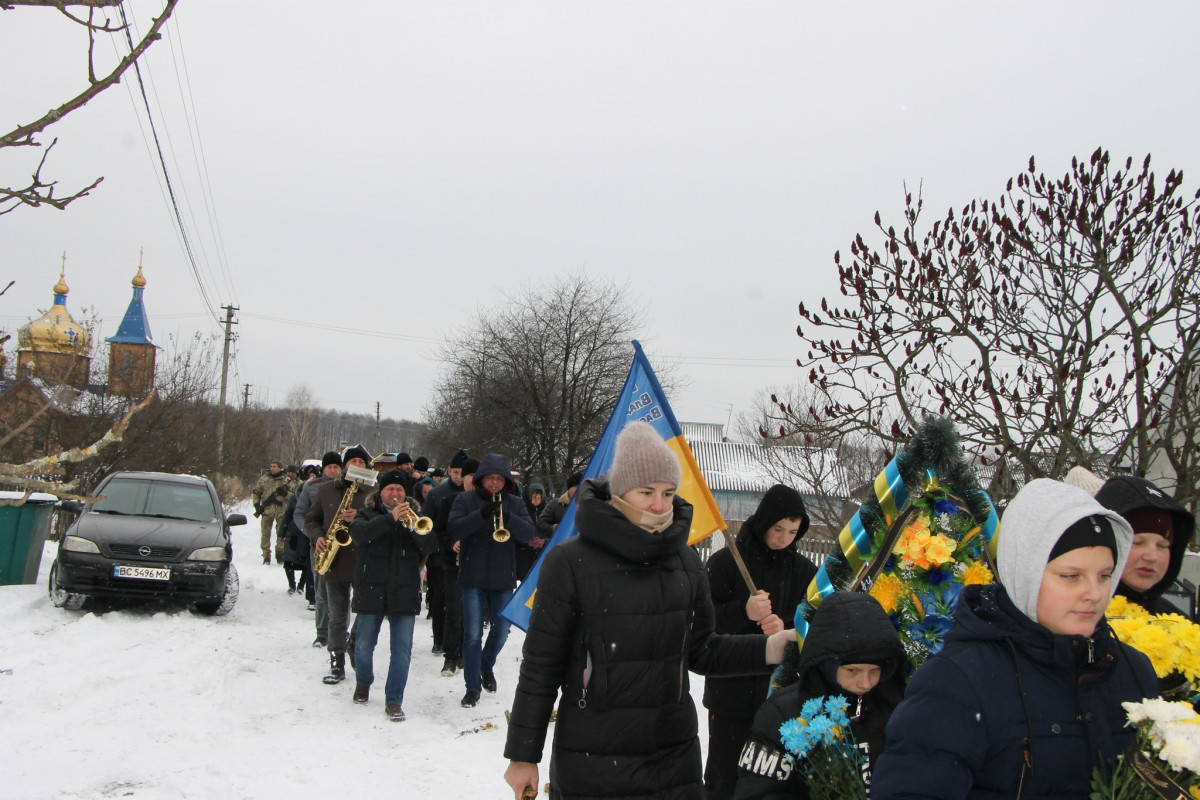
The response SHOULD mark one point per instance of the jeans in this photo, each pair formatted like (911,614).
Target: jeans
(400,631)
(476,659)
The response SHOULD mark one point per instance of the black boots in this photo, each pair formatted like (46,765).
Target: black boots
(337,669)
(361,693)
(470,699)
(489,682)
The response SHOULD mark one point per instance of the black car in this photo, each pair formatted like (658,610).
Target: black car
(150,535)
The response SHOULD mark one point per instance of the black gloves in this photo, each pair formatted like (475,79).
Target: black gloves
(491,508)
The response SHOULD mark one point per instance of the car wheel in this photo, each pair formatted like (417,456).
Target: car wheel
(228,599)
(60,597)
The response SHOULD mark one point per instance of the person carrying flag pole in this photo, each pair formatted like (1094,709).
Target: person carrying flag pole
(622,612)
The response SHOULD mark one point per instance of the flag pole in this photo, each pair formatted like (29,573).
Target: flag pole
(737,559)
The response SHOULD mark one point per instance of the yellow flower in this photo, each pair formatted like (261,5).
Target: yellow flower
(939,550)
(977,573)
(886,590)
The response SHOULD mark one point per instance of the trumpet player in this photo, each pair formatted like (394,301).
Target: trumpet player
(336,583)
(390,539)
(486,523)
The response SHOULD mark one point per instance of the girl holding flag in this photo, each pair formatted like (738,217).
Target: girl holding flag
(622,612)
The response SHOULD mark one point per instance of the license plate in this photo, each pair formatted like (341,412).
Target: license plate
(142,573)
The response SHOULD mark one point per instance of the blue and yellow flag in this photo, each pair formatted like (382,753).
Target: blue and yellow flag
(641,400)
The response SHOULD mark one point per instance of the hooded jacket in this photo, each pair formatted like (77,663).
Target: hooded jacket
(848,628)
(483,562)
(620,616)
(387,561)
(1002,679)
(783,574)
(527,555)
(1125,494)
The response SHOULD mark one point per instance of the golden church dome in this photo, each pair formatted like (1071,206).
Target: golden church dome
(55,331)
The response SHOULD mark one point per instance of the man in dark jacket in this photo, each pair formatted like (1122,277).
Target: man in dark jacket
(387,585)
(338,580)
(552,514)
(1162,529)
(487,565)
(331,468)
(447,620)
(767,544)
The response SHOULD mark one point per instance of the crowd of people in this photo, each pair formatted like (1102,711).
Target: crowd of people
(1023,700)
(375,540)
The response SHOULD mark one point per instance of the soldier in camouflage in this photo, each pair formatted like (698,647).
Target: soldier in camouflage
(270,496)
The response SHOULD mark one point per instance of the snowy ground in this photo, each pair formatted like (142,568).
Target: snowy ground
(161,703)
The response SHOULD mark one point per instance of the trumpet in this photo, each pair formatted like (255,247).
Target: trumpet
(500,533)
(413,521)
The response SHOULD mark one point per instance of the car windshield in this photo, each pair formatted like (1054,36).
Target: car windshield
(156,498)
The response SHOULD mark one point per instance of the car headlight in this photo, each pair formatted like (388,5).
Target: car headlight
(208,554)
(77,544)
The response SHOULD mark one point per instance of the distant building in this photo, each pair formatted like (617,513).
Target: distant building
(50,404)
(739,473)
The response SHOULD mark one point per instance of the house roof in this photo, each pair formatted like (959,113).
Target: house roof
(744,467)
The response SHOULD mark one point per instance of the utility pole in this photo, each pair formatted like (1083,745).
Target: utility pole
(229,323)
(377,426)
(246,396)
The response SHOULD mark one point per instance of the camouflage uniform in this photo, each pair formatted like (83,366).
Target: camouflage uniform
(270,496)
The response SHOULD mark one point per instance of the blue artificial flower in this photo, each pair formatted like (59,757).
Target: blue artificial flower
(794,737)
(930,632)
(942,600)
(821,730)
(895,620)
(811,708)
(835,708)
(939,576)
(944,506)
(890,564)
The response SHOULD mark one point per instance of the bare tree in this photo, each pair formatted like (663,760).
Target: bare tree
(300,423)
(1057,325)
(536,377)
(811,453)
(41,190)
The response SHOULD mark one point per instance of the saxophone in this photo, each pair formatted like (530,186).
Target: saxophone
(338,534)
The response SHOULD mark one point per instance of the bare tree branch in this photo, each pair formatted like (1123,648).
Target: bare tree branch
(40,192)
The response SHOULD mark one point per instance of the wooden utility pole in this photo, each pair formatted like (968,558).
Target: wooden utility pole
(246,396)
(376,426)
(229,323)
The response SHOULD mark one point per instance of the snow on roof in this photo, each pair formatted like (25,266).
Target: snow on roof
(744,467)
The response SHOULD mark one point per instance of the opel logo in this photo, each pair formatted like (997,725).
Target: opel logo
(144,551)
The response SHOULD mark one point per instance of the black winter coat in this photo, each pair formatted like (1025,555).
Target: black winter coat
(484,563)
(297,549)
(619,617)
(387,562)
(785,575)
(1000,678)
(849,628)
(437,508)
(552,515)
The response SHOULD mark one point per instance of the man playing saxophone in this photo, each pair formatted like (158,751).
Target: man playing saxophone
(390,541)
(338,580)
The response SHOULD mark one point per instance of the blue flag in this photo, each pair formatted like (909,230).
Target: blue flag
(641,401)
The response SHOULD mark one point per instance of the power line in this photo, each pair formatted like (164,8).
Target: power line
(191,256)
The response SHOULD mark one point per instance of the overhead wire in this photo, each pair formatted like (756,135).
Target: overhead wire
(182,227)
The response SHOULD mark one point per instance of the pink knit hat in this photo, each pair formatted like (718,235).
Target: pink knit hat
(641,457)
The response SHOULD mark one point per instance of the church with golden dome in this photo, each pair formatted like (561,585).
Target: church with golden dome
(52,400)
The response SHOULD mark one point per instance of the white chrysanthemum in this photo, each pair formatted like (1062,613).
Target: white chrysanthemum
(1182,748)
(943,522)
(1158,710)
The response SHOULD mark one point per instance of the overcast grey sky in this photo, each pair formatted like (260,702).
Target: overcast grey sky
(377,171)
